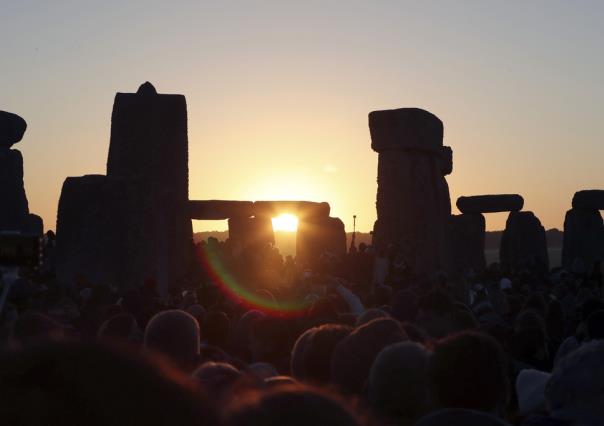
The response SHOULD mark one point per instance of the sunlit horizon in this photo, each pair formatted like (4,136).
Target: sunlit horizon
(278,94)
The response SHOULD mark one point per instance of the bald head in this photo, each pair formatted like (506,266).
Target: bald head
(175,334)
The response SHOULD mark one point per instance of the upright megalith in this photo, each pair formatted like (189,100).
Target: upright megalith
(14,210)
(490,203)
(318,236)
(523,243)
(251,232)
(135,222)
(413,204)
(149,140)
(466,239)
(105,231)
(583,243)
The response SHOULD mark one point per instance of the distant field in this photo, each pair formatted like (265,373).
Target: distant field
(555,256)
(286,242)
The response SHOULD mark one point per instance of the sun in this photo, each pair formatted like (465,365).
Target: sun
(285,222)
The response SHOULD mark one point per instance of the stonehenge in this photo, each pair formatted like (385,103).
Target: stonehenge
(583,243)
(413,204)
(14,213)
(466,238)
(490,203)
(523,244)
(133,223)
(249,224)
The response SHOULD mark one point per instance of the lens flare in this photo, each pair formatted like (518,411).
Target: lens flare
(234,290)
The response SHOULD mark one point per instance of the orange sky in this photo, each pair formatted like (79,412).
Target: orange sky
(278,94)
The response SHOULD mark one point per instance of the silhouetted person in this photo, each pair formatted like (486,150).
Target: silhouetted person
(354,355)
(468,370)
(174,334)
(292,406)
(86,384)
(399,387)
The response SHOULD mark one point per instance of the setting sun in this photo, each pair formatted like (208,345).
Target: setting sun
(285,222)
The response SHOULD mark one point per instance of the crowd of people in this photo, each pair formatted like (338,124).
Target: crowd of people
(255,339)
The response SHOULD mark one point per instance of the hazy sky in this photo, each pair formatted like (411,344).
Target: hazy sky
(278,93)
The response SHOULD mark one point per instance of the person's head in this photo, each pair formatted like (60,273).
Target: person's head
(292,405)
(399,387)
(353,356)
(297,367)
(319,350)
(371,314)
(73,383)
(468,370)
(216,327)
(575,393)
(271,340)
(435,313)
(174,334)
(217,379)
(241,334)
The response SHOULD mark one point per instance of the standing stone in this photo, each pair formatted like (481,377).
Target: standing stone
(251,231)
(466,243)
(107,230)
(413,204)
(12,129)
(583,238)
(523,243)
(148,163)
(14,209)
(12,191)
(319,235)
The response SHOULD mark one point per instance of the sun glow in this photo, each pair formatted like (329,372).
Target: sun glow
(285,222)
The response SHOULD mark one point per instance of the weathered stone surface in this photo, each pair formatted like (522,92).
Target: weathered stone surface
(413,207)
(405,128)
(109,230)
(301,209)
(319,235)
(583,237)
(446,155)
(33,225)
(149,139)
(12,128)
(490,203)
(135,223)
(466,243)
(224,209)
(523,243)
(251,231)
(220,209)
(13,201)
(592,199)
